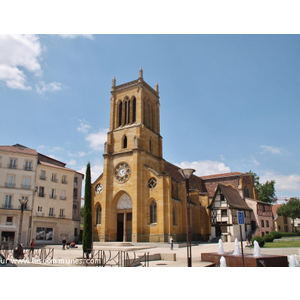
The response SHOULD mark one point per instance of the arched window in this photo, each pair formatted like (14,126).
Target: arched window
(98,214)
(133,110)
(246,192)
(153,212)
(120,114)
(124,143)
(127,111)
(150,146)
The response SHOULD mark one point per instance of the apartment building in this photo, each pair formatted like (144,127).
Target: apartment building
(53,192)
(17,179)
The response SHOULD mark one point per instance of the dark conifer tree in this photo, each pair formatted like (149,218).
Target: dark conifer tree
(87,239)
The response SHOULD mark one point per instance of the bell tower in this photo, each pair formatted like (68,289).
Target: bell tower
(134,118)
(133,166)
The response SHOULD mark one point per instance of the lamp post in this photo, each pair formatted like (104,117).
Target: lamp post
(23,202)
(186,174)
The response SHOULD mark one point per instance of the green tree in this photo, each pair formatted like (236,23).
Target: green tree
(87,239)
(266,191)
(291,210)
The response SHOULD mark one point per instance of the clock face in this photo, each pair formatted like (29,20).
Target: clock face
(99,188)
(122,172)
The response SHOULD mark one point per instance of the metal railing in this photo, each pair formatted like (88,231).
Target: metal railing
(42,255)
(114,258)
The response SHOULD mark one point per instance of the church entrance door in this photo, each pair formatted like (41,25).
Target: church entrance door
(124,219)
(124,227)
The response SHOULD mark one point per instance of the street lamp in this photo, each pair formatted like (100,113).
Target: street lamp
(23,202)
(186,174)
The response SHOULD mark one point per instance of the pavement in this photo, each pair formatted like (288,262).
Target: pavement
(160,253)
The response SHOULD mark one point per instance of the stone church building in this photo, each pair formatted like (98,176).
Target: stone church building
(140,197)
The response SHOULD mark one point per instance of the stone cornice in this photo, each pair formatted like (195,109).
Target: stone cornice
(134,83)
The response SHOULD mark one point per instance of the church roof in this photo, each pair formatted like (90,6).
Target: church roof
(134,83)
(232,196)
(222,175)
(195,182)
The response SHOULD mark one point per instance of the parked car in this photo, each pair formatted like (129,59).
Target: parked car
(5,262)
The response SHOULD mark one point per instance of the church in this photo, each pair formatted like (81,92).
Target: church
(140,197)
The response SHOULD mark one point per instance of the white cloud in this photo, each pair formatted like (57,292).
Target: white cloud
(83,126)
(270,149)
(284,183)
(205,167)
(96,170)
(97,140)
(255,161)
(43,87)
(77,154)
(71,162)
(73,36)
(19,53)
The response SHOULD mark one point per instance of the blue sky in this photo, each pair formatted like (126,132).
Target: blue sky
(228,102)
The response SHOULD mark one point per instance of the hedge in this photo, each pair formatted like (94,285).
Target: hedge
(276,234)
(287,234)
(268,238)
(259,239)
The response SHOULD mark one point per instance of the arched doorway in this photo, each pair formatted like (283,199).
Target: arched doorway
(124,219)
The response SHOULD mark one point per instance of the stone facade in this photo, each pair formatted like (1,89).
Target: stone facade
(53,192)
(140,197)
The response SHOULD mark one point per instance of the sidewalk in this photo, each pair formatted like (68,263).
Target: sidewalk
(69,257)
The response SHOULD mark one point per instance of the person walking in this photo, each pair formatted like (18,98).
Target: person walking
(64,241)
(32,245)
(171,242)
(31,251)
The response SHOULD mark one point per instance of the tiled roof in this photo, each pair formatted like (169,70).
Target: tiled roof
(233,197)
(18,149)
(43,163)
(194,181)
(222,175)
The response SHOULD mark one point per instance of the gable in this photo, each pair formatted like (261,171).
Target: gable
(231,196)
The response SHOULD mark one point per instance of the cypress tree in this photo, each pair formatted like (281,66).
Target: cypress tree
(87,239)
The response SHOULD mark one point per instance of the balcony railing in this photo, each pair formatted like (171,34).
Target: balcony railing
(9,185)
(14,207)
(25,186)
(7,206)
(12,166)
(27,168)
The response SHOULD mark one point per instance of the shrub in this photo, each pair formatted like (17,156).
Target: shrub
(268,238)
(259,239)
(289,234)
(276,234)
